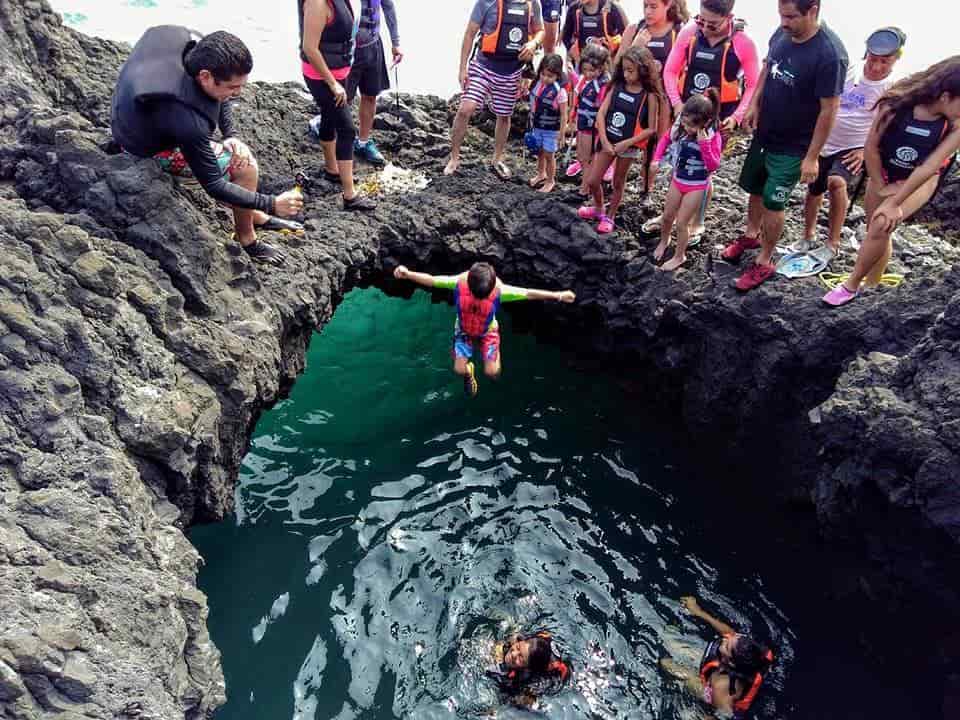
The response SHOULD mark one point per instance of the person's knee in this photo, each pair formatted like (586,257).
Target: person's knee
(492,370)
(467,109)
(837,187)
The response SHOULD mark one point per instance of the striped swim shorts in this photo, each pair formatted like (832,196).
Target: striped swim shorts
(498,91)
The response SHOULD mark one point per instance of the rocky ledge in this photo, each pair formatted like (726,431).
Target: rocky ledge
(138,346)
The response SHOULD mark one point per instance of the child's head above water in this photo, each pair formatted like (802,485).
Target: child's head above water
(701,111)
(533,654)
(594,60)
(551,69)
(481,280)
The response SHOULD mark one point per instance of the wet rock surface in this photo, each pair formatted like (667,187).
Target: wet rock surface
(138,346)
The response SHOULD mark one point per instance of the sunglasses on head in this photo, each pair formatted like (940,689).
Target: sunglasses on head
(702,22)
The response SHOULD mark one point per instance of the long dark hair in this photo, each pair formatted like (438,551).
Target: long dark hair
(677,13)
(647,68)
(704,110)
(923,88)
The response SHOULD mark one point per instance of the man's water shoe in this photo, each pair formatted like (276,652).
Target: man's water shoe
(263,252)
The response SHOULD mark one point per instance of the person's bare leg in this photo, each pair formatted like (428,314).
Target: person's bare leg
(598,168)
(247,178)
(330,156)
(460,124)
(551,31)
(500,137)
(689,207)
(671,207)
(811,209)
(912,204)
(773,222)
(460,365)
(549,172)
(346,179)
(491,368)
(698,220)
(754,216)
(584,150)
(839,204)
(620,171)
(368,109)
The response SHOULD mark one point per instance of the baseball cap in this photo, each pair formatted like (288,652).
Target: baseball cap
(886,41)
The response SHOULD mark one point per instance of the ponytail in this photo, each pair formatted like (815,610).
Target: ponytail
(713,95)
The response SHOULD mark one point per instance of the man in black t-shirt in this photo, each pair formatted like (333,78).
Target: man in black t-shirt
(793,111)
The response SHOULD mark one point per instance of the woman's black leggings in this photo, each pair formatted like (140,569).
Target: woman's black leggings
(336,123)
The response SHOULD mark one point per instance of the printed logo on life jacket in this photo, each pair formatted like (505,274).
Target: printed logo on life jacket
(656,44)
(619,120)
(914,130)
(907,154)
(706,55)
(628,97)
(516,35)
(591,23)
(516,11)
(701,81)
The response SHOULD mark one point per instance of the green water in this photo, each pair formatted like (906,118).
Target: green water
(387,528)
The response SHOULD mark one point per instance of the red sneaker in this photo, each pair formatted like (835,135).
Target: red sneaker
(754,277)
(739,246)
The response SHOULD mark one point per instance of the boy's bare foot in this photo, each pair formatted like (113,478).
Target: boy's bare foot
(452,166)
(660,251)
(536,180)
(548,187)
(674,263)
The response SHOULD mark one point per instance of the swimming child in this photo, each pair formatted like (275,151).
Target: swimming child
(625,123)
(731,670)
(548,119)
(526,665)
(477,294)
(697,148)
(588,93)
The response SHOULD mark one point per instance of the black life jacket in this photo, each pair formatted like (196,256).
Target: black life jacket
(595,28)
(627,115)
(511,33)
(690,167)
(718,67)
(660,47)
(338,41)
(154,72)
(544,112)
(908,142)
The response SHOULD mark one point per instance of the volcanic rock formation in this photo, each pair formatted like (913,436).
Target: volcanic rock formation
(138,346)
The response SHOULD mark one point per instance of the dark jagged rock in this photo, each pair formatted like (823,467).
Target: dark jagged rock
(138,346)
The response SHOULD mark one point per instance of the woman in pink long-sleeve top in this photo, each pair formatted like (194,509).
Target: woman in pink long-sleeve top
(712,51)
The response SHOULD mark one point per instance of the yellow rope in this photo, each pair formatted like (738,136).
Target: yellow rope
(832,280)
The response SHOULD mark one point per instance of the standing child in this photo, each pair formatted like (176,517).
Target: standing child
(697,148)
(626,121)
(548,119)
(588,94)
(477,295)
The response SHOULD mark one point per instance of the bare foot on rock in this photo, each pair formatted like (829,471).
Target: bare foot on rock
(452,166)
(674,263)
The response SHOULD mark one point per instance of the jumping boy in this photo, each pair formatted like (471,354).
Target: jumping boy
(477,294)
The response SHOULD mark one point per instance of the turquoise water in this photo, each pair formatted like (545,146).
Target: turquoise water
(387,529)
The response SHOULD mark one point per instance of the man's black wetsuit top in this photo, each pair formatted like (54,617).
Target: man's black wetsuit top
(157,106)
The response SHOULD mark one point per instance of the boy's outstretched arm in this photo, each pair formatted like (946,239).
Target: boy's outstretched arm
(442,282)
(693,607)
(509,293)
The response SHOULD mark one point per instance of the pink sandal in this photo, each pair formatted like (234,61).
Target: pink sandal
(606,225)
(589,212)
